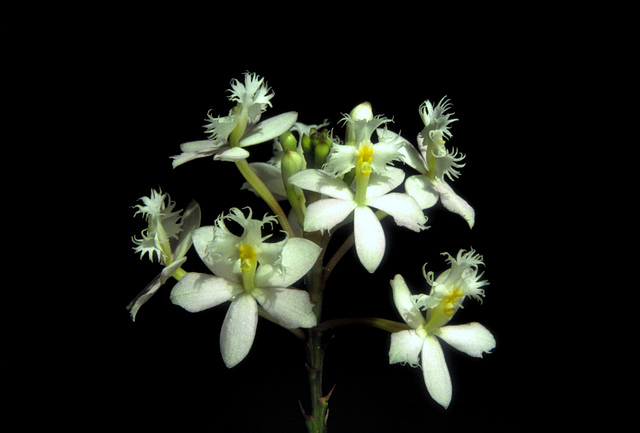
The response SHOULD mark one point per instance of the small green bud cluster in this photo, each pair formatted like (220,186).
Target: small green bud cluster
(316,147)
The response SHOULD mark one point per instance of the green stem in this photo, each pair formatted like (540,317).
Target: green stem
(374,322)
(317,419)
(315,281)
(337,256)
(261,189)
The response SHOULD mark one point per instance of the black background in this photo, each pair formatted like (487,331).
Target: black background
(165,369)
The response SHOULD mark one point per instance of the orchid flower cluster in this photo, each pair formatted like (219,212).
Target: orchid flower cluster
(328,182)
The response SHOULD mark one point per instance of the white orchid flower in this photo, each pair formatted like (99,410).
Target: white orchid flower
(434,162)
(242,124)
(373,183)
(419,345)
(327,213)
(167,238)
(248,272)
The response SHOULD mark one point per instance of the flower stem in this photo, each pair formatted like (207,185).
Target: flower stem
(261,189)
(374,322)
(317,419)
(337,256)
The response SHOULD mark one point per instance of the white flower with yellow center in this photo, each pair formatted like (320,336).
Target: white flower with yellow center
(434,162)
(373,183)
(229,135)
(248,272)
(327,213)
(363,155)
(421,342)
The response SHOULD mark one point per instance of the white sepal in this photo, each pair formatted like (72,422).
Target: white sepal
(327,213)
(238,329)
(405,304)
(269,129)
(369,238)
(470,338)
(436,372)
(291,308)
(405,348)
(197,292)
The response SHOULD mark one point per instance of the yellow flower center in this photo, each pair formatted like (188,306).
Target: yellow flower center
(443,311)
(247,257)
(248,265)
(450,302)
(363,171)
(365,157)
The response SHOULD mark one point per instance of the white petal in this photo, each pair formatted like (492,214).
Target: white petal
(269,129)
(471,338)
(327,213)
(410,156)
(341,160)
(435,371)
(403,208)
(385,153)
(239,329)
(196,149)
(290,307)
(202,237)
(380,184)
(298,257)
(420,188)
(369,238)
(405,347)
(232,154)
(453,202)
(151,288)
(406,306)
(320,181)
(196,292)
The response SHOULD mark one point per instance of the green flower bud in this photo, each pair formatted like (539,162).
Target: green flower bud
(291,164)
(288,141)
(321,154)
(307,148)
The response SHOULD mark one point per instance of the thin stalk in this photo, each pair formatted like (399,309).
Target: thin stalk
(374,322)
(337,256)
(315,281)
(317,419)
(261,189)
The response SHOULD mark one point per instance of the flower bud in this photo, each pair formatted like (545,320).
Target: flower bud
(307,148)
(291,164)
(321,154)
(288,141)
(360,112)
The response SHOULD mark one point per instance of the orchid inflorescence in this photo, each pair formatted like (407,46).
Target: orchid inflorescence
(328,183)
